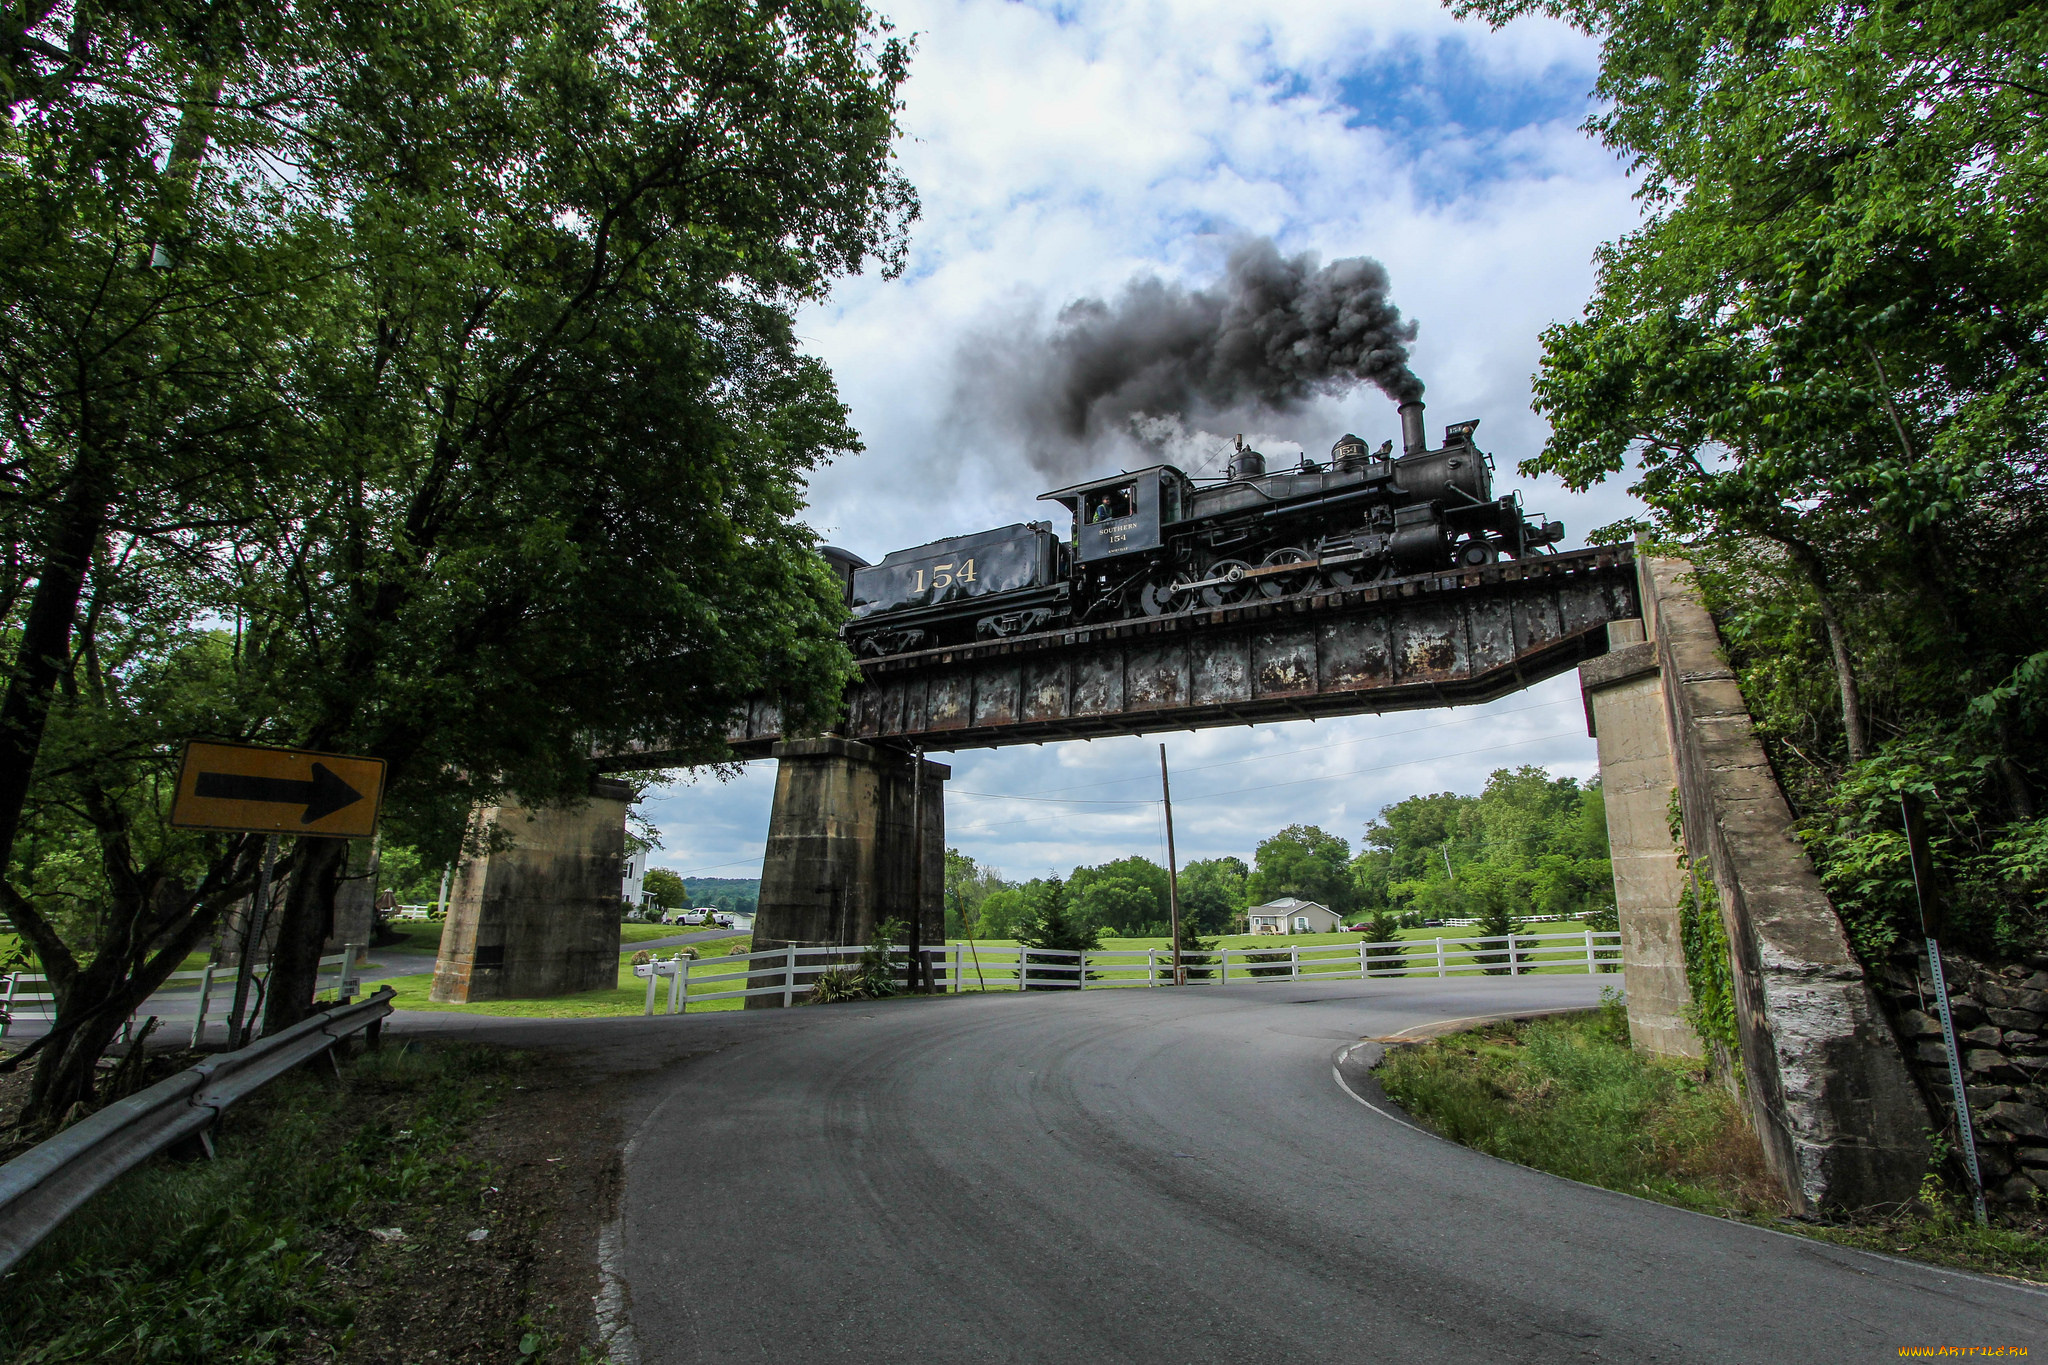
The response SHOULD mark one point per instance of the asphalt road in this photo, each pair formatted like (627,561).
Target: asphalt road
(1168,1176)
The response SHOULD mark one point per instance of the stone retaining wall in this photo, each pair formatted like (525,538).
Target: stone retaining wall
(2001,1017)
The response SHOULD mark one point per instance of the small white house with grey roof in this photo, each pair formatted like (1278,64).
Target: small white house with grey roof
(1289,915)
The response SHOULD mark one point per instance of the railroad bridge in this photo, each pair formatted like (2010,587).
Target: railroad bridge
(851,817)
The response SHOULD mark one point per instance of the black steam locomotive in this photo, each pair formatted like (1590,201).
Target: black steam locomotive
(1150,542)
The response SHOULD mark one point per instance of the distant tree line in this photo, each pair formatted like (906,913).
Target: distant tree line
(1529,844)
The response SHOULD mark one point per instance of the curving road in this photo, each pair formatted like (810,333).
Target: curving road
(1178,1176)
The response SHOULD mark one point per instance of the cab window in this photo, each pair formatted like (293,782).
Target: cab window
(1111,504)
(1169,498)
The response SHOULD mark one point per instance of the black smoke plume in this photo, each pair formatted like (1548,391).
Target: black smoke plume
(1276,333)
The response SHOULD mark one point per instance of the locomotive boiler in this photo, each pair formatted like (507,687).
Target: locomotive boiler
(1151,542)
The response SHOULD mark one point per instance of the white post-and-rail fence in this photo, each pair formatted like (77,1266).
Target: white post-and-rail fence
(194,998)
(789,972)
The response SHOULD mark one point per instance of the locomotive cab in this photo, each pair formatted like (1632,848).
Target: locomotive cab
(1123,515)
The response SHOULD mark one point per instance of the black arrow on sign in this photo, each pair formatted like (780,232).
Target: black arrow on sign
(322,796)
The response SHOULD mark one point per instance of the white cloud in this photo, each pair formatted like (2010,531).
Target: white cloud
(1059,151)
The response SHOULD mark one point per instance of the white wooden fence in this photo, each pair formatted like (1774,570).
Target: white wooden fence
(198,998)
(790,972)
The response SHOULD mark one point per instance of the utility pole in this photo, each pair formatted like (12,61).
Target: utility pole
(1172,872)
(916,981)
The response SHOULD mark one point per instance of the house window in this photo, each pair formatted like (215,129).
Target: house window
(1301,924)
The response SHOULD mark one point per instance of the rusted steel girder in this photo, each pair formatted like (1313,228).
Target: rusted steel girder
(1433,640)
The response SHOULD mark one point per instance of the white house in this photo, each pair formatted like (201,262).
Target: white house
(1291,916)
(633,890)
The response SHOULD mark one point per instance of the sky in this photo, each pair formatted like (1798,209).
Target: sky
(1062,150)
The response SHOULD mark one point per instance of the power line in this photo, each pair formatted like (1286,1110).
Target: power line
(1297,782)
(1046,793)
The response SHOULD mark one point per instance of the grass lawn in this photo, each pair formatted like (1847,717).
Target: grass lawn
(628,997)
(1566,1094)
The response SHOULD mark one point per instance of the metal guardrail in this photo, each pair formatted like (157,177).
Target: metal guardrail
(43,1186)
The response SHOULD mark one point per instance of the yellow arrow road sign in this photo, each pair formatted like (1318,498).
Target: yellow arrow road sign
(277,791)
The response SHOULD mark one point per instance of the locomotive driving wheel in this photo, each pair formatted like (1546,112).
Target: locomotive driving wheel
(1161,599)
(1287,584)
(1232,588)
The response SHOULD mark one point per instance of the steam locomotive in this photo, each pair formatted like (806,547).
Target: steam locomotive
(1153,541)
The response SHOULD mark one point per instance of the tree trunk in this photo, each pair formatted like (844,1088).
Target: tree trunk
(304,930)
(44,652)
(1808,560)
(91,1008)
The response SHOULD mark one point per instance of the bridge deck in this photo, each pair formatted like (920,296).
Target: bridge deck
(1433,640)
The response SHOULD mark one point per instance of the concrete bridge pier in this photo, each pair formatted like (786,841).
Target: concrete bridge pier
(538,915)
(843,847)
(1624,695)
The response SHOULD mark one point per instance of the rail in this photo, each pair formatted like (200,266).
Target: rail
(43,1186)
(199,997)
(963,966)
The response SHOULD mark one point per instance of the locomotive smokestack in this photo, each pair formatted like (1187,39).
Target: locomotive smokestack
(1413,441)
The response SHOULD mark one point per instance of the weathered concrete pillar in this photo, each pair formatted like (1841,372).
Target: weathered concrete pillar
(540,916)
(1826,1084)
(842,849)
(355,901)
(1625,713)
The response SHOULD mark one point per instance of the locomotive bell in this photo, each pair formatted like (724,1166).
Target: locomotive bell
(1246,463)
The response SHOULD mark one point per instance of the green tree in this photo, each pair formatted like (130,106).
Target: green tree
(159,269)
(665,888)
(1138,902)
(1492,894)
(1118,907)
(1213,891)
(1824,356)
(1385,928)
(1304,861)
(1002,913)
(511,338)
(1828,336)
(1055,924)
(968,886)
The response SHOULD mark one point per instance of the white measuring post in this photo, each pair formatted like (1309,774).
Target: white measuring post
(652,978)
(1591,965)
(1293,963)
(1023,968)
(1151,966)
(1226,965)
(682,995)
(1364,959)
(1440,957)
(7,1003)
(789,976)
(1514,958)
(1081,970)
